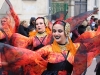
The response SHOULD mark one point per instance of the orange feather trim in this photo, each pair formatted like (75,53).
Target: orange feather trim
(33,33)
(70,46)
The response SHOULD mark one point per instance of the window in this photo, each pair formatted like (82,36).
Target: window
(29,0)
(80,6)
(95,3)
(56,0)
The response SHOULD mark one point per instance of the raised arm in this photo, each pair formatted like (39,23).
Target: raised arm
(14,15)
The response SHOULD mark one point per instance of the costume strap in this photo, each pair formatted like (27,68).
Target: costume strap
(42,40)
(65,56)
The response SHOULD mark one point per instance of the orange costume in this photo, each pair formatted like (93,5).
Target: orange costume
(54,59)
(65,58)
(40,40)
(51,55)
(8,28)
(19,40)
(34,42)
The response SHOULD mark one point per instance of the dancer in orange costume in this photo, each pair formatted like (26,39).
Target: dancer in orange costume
(55,53)
(6,25)
(41,37)
(60,58)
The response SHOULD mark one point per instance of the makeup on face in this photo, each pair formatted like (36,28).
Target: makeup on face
(40,25)
(59,33)
(3,21)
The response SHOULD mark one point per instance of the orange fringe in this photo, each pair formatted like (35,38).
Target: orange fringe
(69,46)
(33,33)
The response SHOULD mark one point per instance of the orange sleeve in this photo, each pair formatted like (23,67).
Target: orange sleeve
(44,50)
(16,19)
(19,40)
(16,56)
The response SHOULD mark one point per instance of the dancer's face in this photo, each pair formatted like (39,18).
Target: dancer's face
(40,26)
(59,34)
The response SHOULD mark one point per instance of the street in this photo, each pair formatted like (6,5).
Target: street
(90,70)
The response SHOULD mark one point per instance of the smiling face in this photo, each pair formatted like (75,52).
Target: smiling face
(59,34)
(40,25)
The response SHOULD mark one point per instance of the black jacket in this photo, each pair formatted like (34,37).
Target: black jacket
(31,26)
(23,30)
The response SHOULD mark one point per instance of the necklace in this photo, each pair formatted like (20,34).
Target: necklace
(41,34)
(62,47)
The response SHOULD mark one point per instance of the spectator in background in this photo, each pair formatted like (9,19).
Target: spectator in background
(81,29)
(31,27)
(23,28)
(94,24)
(86,25)
(92,19)
(88,28)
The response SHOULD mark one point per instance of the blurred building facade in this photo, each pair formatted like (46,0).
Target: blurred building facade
(34,8)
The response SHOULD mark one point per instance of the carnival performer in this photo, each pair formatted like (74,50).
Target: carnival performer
(39,38)
(6,25)
(60,58)
(73,22)
(43,35)
(62,51)
(48,26)
(59,55)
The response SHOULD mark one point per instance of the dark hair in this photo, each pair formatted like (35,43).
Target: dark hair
(81,29)
(95,19)
(92,17)
(40,18)
(32,19)
(60,22)
(66,26)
